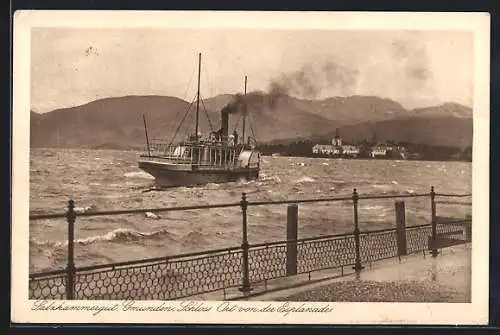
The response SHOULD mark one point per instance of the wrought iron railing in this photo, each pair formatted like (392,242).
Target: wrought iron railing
(178,276)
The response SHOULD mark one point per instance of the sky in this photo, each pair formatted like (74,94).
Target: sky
(71,67)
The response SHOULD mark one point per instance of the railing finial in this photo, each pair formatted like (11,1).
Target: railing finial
(71,214)
(434,251)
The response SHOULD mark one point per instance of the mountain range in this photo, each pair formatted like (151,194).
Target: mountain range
(118,122)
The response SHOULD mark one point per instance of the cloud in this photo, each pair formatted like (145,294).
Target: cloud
(414,60)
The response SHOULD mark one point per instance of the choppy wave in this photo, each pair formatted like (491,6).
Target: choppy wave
(56,179)
(195,237)
(305,179)
(243,181)
(382,187)
(263,178)
(117,235)
(374,208)
(138,174)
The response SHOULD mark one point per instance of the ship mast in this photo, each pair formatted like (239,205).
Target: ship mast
(244,112)
(198,97)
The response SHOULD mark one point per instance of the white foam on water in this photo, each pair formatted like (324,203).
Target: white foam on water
(383,187)
(377,208)
(265,178)
(117,235)
(305,179)
(138,174)
(151,215)
(81,210)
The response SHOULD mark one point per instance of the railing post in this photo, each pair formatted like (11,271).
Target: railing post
(357,265)
(401,227)
(292,218)
(434,251)
(70,268)
(245,287)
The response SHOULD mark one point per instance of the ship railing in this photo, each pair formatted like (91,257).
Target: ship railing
(250,267)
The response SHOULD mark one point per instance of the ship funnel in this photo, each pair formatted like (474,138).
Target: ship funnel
(224,114)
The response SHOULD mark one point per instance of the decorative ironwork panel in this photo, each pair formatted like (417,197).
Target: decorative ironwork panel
(169,279)
(417,238)
(452,230)
(326,253)
(378,245)
(267,262)
(51,287)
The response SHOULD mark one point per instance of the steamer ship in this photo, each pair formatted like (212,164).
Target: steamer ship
(218,158)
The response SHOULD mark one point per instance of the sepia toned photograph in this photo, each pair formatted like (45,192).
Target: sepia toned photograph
(241,168)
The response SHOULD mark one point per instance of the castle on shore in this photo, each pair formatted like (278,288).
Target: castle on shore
(365,149)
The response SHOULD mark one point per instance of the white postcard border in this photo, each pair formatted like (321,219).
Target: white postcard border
(342,313)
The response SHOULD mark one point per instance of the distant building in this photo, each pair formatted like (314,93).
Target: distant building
(350,150)
(334,150)
(337,141)
(325,149)
(365,149)
(389,151)
(380,150)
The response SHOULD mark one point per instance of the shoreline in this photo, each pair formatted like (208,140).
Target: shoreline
(264,155)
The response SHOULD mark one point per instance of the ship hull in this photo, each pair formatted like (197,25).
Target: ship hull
(174,176)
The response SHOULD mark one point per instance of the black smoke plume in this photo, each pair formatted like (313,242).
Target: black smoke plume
(256,101)
(308,82)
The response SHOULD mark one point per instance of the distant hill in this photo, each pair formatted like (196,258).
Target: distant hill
(446,109)
(111,122)
(117,122)
(355,109)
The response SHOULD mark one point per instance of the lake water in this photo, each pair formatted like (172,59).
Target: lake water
(107,179)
